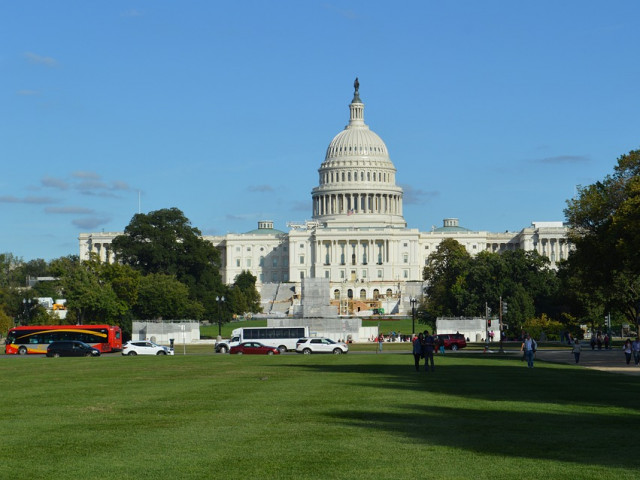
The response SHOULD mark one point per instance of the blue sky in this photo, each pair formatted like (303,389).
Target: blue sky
(492,111)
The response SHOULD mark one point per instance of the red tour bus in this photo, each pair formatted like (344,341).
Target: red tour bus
(36,338)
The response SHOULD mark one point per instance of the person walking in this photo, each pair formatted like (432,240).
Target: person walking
(529,347)
(576,350)
(635,349)
(428,346)
(417,350)
(627,350)
(380,340)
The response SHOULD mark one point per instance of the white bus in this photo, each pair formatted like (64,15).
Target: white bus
(283,338)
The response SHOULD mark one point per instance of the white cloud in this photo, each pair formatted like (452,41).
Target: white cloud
(40,60)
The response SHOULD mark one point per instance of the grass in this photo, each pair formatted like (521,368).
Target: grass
(295,416)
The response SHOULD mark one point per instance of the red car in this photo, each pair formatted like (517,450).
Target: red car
(451,341)
(254,348)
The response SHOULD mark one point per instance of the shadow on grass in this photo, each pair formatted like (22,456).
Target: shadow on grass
(502,380)
(551,412)
(571,438)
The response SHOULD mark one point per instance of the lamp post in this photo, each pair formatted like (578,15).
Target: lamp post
(413,302)
(220,301)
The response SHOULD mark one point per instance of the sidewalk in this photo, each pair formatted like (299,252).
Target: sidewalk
(605,360)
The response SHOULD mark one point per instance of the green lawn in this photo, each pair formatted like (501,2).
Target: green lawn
(294,416)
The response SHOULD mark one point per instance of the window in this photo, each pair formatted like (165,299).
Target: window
(262,261)
(389,293)
(248,249)
(274,277)
(237,249)
(301,259)
(405,245)
(363,294)
(285,262)
(285,277)
(379,273)
(326,274)
(342,274)
(301,275)
(275,262)
(237,262)
(405,273)
(405,257)
(364,274)
(302,246)
(248,262)
(336,294)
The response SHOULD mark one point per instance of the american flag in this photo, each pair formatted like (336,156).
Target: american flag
(350,212)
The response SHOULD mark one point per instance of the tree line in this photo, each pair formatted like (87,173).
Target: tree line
(163,270)
(600,279)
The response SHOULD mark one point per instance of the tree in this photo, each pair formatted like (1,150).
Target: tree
(461,285)
(444,274)
(164,297)
(164,241)
(604,221)
(245,283)
(90,295)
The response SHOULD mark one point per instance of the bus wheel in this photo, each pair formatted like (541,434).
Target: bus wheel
(22,350)
(282,349)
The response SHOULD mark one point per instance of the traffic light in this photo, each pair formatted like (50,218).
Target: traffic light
(504,308)
(489,322)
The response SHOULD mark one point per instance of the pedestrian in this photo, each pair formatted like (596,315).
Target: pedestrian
(627,350)
(428,347)
(593,341)
(380,342)
(606,341)
(417,350)
(440,343)
(635,349)
(599,340)
(576,349)
(529,347)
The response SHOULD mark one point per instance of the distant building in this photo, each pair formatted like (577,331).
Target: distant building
(357,237)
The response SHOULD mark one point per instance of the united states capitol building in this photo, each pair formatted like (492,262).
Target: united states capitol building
(357,237)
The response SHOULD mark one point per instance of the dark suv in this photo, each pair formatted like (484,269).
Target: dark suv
(71,348)
(452,341)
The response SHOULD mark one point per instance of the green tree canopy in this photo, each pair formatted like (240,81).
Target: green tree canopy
(604,220)
(164,241)
(164,297)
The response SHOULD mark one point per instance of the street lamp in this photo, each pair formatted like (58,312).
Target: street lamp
(220,301)
(413,302)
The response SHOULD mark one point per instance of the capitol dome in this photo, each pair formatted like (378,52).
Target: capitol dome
(357,178)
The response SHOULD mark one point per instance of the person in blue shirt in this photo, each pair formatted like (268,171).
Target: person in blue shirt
(529,347)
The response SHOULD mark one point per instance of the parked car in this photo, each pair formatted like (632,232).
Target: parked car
(71,348)
(320,345)
(145,348)
(254,348)
(451,341)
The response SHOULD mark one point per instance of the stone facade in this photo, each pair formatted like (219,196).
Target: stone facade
(357,239)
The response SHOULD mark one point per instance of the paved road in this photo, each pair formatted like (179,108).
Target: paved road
(606,360)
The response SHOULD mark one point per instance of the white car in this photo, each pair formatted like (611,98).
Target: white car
(320,345)
(145,348)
